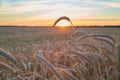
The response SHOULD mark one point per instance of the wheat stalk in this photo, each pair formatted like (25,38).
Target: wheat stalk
(49,64)
(99,35)
(8,56)
(6,67)
(82,55)
(88,44)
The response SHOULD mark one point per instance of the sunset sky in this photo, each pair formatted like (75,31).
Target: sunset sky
(45,12)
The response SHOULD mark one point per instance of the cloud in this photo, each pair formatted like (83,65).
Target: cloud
(41,9)
(33,10)
(19,7)
(111,4)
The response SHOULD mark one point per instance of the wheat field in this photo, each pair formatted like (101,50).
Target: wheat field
(28,53)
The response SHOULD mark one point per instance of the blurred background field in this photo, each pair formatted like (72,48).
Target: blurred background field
(24,39)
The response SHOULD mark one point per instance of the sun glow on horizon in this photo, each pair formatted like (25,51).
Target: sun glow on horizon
(63,24)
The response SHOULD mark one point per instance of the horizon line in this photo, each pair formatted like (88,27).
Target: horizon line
(57,26)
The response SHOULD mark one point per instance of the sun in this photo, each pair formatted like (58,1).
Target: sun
(63,24)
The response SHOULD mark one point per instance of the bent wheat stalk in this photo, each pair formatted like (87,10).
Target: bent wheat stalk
(8,56)
(80,32)
(100,39)
(48,64)
(99,35)
(62,18)
(90,45)
(67,74)
(82,56)
(7,67)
